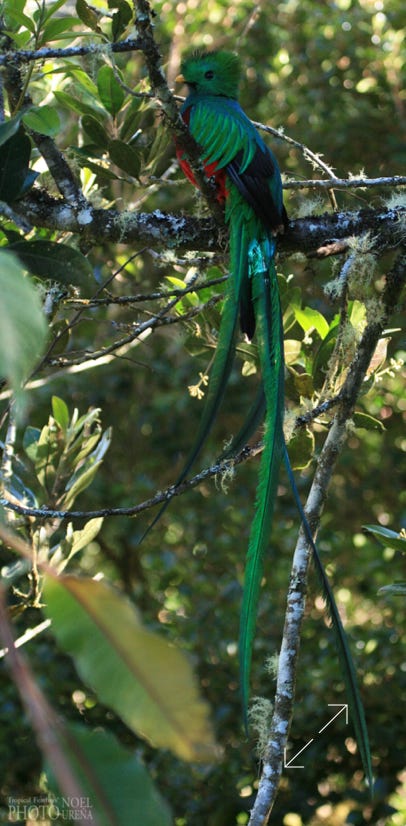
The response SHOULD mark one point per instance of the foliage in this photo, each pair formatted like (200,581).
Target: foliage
(128,331)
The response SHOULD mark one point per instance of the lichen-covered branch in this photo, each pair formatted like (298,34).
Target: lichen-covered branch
(163,230)
(21,56)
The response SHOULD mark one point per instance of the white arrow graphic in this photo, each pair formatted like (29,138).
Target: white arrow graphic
(289,764)
(341,707)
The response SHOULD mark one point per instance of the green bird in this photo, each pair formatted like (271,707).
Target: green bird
(248,183)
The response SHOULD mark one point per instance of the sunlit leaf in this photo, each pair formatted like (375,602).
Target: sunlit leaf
(75,541)
(309,319)
(387,538)
(43,119)
(292,349)
(144,679)
(60,413)
(82,481)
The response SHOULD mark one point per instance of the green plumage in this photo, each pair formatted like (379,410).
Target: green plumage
(249,183)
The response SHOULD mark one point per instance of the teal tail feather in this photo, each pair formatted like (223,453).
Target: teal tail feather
(270,342)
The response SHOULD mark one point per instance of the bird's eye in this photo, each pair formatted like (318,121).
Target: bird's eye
(209,74)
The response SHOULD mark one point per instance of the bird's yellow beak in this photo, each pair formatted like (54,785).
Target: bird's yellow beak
(179,79)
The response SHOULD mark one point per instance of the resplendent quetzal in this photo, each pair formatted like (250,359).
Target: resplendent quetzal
(248,183)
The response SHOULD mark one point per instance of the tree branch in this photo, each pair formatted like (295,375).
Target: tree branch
(165,231)
(21,56)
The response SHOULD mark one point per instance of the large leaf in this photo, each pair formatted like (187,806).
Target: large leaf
(23,327)
(117,788)
(59,262)
(145,680)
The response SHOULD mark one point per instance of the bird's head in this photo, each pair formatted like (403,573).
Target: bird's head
(211,73)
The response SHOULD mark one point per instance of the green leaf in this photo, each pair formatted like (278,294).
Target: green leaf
(117,787)
(15,15)
(56,28)
(58,262)
(60,413)
(52,8)
(111,94)
(95,130)
(132,120)
(387,538)
(30,442)
(309,319)
(9,128)
(88,16)
(23,329)
(121,18)
(301,449)
(78,106)
(303,384)
(144,679)
(292,349)
(82,481)
(86,535)
(73,542)
(397,589)
(80,77)
(125,157)
(46,456)
(14,159)
(366,422)
(86,470)
(43,119)
(82,157)
(323,354)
